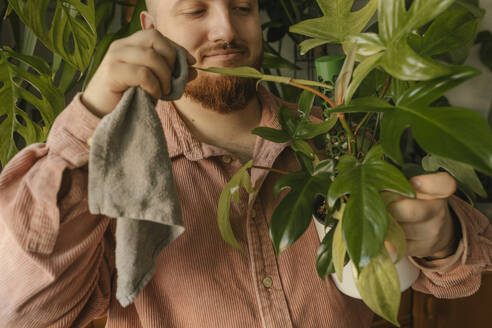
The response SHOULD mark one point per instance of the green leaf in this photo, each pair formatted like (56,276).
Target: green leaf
(451,30)
(360,72)
(338,21)
(368,44)
(309,130)
(395,22)
(365,219)
(271,134)
(404,63)
(324,258)
(379,286)
(309,44)
(293,214)
(48,100)
(231,191)
(426,92)
(302,146)
(362,105)
(305,103)
(287,120)
(73,20)
(459,134)
(463,173)
(339,248)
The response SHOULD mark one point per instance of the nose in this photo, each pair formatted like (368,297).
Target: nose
(221,26)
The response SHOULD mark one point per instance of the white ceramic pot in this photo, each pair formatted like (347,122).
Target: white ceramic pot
(407,272)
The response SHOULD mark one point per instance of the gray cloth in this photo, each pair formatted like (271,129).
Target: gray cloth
(130,179)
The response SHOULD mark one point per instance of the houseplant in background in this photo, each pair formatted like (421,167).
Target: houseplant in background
(407,61)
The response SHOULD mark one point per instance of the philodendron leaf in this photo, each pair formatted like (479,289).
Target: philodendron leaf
(48,100)
(339,248)
(72,33)
(245,71)
(293,214)
(338,21)
(451,30)
(279,136)
(379,286)
(426,92)
(459,134)
(365,219)
(360,72)
(463,173)
(231,191)
(303,147)
(309,44)
(305,103)
(324,257)
(309,130)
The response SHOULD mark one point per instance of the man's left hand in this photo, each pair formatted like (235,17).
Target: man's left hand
(426,220)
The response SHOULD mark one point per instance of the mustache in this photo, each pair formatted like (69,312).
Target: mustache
(233,45)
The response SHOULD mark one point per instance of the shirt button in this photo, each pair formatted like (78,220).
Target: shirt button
(267,282)
(253,213)
(226,159)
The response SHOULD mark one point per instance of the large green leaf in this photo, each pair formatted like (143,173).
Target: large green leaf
(72,26)
(309,44)
(459,134)
(365,219)
(48,100)
(231,192)
(451,30)
(309,130)
(293,214)
(338,21)
(463,173)
(426,92)
(379,286)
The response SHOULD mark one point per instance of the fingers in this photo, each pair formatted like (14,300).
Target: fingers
(434,186)
(415,210)
(150,59)
(132,75)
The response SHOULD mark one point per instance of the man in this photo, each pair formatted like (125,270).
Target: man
(58,259)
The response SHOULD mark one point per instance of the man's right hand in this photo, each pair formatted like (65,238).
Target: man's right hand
(145,59)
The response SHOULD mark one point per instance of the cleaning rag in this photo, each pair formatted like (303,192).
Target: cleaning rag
(130,179)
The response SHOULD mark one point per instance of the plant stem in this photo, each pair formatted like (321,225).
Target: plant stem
(385,89)
(316,92)
(271,169)
(349,133)
(296,10)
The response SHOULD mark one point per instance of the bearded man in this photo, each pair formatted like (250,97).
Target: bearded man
(58,258)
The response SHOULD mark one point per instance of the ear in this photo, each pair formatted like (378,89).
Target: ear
(146,20)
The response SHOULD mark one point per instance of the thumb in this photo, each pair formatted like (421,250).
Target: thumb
(434,186)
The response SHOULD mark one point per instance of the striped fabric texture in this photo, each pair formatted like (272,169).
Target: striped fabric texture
(58,259)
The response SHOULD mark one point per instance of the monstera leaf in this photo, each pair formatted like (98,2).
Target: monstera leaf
(337,23)
(72,33)
(293,214)
(365,219)
(48,100)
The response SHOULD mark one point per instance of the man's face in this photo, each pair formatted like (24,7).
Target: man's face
(203,27)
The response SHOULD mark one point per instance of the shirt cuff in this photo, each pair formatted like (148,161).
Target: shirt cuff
(71,132)
(453,260)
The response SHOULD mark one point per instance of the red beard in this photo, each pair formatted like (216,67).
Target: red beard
(222,94)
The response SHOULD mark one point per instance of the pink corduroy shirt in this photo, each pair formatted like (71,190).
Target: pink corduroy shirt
(58,259)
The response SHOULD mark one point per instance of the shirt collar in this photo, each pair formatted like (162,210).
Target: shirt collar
(180,140)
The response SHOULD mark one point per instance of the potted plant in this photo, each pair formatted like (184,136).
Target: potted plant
(407,61)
